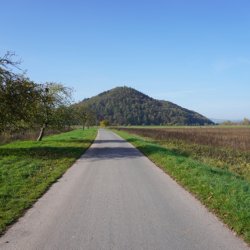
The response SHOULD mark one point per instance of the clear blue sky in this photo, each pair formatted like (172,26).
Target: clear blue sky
(195,53)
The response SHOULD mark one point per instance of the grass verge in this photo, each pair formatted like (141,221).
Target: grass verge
(28,168)
(223,192)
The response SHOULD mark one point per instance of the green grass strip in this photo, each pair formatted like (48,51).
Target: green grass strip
(28,168)
(223,192)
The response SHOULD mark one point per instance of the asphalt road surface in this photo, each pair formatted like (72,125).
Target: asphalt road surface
(115,198)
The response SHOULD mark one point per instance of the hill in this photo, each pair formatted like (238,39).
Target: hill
(127,106)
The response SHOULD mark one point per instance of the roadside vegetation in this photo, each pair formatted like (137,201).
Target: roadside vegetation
(223,147)
(211,163)
(28,168)
(28,107)
(31,111)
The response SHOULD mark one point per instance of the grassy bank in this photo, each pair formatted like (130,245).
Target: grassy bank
(224,192)
(28,168)
(225,148)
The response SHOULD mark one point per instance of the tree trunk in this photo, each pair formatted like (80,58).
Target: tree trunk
(41,134)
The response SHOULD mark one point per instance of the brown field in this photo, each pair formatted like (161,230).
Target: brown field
(223,147)
(233,138)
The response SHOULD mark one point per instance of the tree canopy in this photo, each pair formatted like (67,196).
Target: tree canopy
(26,104)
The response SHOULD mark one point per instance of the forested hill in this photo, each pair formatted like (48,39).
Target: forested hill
(127,106)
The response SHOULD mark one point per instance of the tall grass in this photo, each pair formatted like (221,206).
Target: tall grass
(233,138)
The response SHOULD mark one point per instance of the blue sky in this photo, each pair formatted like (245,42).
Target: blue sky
(194,53)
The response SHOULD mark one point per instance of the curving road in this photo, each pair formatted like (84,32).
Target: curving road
(115,198)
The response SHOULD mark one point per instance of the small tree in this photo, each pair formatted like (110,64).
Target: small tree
(25,104)
(85,116)
(81,112)
(63,117)
(246,122)
(51,97)
(91,118)
(104,123)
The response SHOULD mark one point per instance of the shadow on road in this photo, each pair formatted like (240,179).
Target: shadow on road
(110,141)
(96,153)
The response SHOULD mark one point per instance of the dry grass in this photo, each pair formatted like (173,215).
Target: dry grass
(233,138)
(27,135)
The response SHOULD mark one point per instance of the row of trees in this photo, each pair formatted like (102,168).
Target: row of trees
(25,104)
(244,122)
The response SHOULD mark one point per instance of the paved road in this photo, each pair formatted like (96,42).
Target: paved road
(115,198)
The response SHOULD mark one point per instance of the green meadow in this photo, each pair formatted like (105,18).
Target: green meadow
(28,168)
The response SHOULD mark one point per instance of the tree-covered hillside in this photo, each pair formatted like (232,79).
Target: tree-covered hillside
(127,106)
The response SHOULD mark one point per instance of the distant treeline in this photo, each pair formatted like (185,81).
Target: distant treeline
(26,105)
(244,122)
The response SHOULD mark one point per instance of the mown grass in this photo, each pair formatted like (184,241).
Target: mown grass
(225,193)
(28,168)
